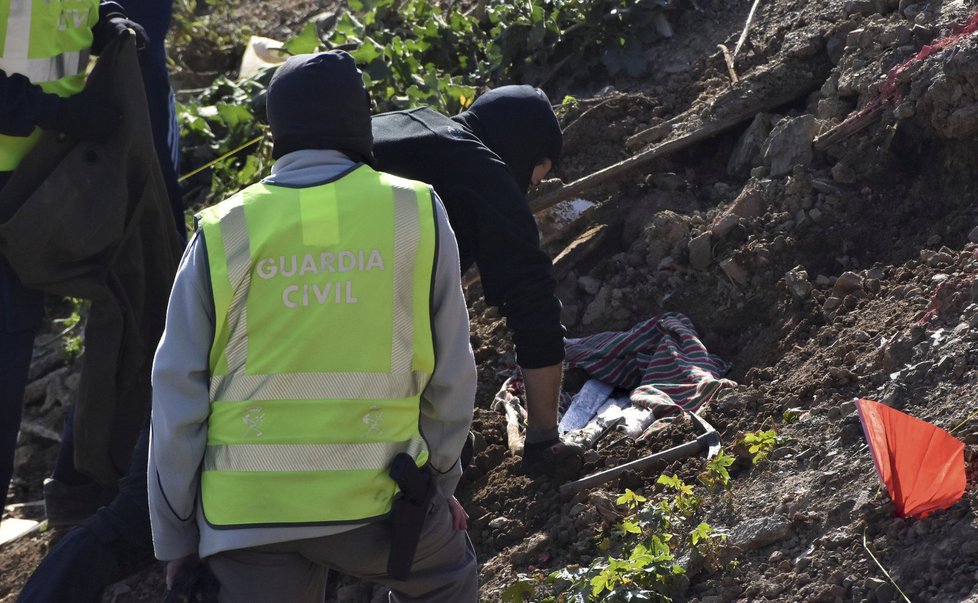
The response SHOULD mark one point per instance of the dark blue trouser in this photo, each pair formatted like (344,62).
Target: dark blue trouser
(107,547)
(20,312)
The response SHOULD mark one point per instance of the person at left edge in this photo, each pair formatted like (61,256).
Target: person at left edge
(44,51)
(316,331)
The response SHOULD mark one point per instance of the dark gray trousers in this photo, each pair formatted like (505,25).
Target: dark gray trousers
(444,570)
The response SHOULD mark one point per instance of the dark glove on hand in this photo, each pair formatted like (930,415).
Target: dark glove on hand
(113,23)
(85,117)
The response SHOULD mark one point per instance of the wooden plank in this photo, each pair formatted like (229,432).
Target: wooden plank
(764,91)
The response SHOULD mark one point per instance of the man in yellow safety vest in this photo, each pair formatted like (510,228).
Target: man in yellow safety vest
(44,50)
(316,334)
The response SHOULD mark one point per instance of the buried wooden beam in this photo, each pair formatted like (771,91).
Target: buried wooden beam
(569,191)
(763,91)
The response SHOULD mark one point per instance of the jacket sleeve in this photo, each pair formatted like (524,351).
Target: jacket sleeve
(178,434)
(516,273)
(448,401)
(23,105)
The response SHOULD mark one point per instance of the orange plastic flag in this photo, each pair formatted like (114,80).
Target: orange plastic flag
(921,465)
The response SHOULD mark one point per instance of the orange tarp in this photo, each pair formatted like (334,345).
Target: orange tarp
(921,465)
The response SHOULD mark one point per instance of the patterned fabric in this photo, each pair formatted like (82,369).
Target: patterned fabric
(661,361)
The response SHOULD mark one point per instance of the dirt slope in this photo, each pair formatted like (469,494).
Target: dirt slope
(822,272)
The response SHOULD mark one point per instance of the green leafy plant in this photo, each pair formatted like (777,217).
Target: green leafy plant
(707,541)
(412,53)
(644,567)
(684,502)
(761,443)
(72,328)
(519,591)
(630,500)
(717,473)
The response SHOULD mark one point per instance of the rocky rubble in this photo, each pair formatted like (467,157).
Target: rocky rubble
(823,272)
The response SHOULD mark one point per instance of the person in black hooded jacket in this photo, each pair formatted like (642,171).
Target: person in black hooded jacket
(481,163)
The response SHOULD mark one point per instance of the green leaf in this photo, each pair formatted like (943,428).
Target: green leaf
(702,532)
(629,527)
(234,115)
(599,583)
(306,42)
(518,592)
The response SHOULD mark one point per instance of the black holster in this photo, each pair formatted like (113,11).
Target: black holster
(408,513)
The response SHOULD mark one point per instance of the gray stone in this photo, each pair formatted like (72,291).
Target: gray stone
(973,235)
(847,283)
(857,7)
(802,44)
(759,172)
(750,203)
(962,123)
(701,251)
(749,148)
(726,222)
(599,308)
(883,593)
(734,271)
(589,284)
(835,46)
(499,523)
(790,144)
(798,284)
(666,230)
(537,544)
(756,533)
(905,110)
(831,303)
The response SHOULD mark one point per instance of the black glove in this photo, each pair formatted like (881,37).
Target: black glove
(84,117)
(113,23)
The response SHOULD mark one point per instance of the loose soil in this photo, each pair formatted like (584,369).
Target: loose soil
(827,273)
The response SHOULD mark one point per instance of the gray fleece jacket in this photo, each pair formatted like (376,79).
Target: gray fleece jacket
(181,378)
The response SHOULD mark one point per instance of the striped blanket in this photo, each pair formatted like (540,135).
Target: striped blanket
(661,361)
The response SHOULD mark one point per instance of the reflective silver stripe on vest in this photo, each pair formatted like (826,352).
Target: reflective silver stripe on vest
(315,386)
(288,458)
(52,69)
(237,253)
(17,40)
(237,386)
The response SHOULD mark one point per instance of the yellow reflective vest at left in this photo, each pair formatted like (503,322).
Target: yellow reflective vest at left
(47,41)
(322,347)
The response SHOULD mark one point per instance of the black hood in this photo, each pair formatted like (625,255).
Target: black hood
(319,101)
(518,124)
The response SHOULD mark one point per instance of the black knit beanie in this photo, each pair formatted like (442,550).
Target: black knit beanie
(319,101)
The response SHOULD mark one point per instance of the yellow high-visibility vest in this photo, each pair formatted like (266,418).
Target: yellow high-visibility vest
(321,350)
(48,41)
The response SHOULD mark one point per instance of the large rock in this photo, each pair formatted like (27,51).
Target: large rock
(666,230)
(790,144)
(750,203)
(756,533)
(701,251)
(750,147)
